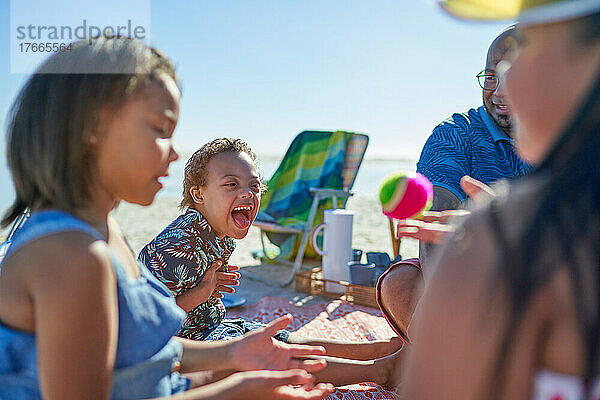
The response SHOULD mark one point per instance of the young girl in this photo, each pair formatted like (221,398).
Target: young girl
(79,317)
(221,195)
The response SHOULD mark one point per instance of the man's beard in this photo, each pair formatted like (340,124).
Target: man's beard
(503,121)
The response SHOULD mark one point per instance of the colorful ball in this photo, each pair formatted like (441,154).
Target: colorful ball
(405,195)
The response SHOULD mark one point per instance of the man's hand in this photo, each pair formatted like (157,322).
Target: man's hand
(433,227)
(259,350)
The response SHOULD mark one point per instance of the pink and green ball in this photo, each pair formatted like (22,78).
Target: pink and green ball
(405,195)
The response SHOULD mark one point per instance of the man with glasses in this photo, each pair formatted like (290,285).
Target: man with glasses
(478,143)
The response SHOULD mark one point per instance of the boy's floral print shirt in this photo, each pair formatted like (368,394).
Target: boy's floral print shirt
(179,256)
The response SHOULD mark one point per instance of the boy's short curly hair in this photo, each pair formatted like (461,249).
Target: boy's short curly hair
(195,168)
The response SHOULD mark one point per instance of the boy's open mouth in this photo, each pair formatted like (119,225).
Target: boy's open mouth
(241,216)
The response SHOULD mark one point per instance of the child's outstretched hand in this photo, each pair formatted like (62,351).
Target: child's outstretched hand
(275,385)
(259,350)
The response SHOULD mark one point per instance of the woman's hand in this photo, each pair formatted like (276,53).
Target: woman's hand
(259,350)
(433,226)
(432,231)
(474,188)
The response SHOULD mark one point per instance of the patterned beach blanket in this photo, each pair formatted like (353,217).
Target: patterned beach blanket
(333,320)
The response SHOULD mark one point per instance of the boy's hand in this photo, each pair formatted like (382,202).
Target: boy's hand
(223,281)
(205,288)
(258,350)
(213,282)
(216,281)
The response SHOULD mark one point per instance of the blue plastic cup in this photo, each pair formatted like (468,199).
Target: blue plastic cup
(361,274)
(381,261)
(378,258)
(379,270)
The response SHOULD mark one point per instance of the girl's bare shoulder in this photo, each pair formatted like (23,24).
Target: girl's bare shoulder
(61,258)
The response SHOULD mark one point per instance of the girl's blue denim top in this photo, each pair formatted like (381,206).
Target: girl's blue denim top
(148,318)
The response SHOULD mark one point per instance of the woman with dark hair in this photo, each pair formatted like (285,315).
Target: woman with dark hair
(513,312)
(79,317)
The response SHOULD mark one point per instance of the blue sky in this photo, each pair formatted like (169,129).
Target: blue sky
(264,70)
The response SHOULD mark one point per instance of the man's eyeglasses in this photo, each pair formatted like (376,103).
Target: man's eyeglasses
(487,80)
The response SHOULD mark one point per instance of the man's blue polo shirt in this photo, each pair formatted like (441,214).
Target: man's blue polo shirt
(469,144)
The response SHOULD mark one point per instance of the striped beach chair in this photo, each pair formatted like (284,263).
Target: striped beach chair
(316,173)
(17,224)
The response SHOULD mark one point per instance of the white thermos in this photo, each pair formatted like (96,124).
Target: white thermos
(337,247)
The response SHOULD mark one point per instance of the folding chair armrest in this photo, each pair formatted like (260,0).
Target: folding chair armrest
(321,193)
(273,227)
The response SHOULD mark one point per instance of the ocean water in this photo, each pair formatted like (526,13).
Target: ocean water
(367,182)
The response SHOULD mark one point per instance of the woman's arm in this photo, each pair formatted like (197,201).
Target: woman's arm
(73,292)
(459,323)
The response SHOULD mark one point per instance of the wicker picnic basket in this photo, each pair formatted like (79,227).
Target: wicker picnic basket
(312,282)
